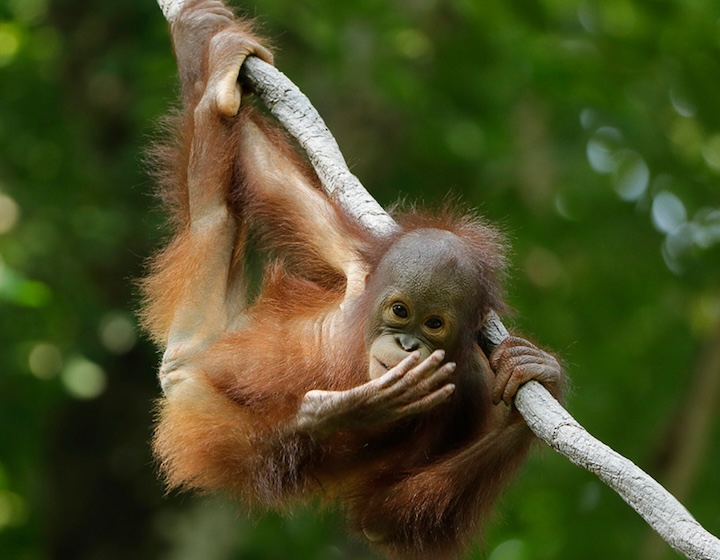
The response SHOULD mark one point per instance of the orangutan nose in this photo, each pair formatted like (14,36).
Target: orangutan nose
(407,342)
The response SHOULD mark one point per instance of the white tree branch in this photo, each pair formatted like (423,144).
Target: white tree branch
(171,8)
(543,414)
(295,112)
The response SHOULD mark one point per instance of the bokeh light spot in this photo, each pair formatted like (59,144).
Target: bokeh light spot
(513,549)
(668,212)
(631,175)
(45,360)
(84,379)
(13,510)
(9,43)
(9,213)
(711,152)
(117,332)
(601,147)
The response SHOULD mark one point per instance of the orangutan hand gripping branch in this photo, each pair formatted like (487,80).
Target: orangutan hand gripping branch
(357,373)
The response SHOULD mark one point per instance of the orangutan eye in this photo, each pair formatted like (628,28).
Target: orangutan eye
(434,323)
(399,310)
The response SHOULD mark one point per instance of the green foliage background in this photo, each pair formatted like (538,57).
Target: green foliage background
(589,130)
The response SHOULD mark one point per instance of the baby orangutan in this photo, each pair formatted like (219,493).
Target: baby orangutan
(356,375)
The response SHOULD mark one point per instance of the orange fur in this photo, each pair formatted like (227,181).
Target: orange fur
(424,484)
